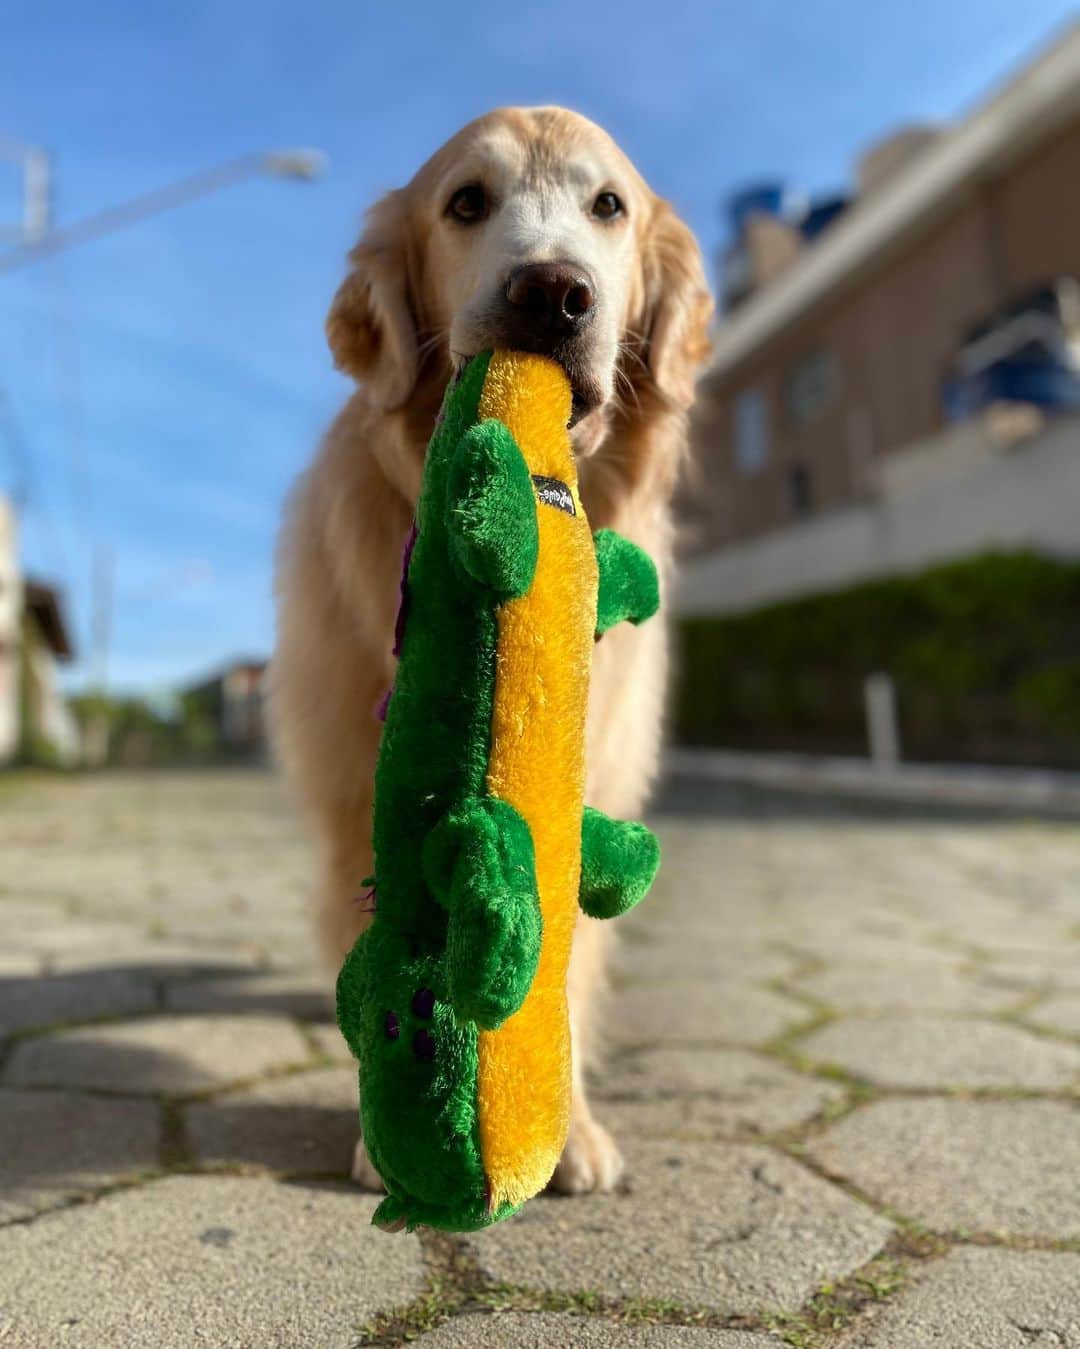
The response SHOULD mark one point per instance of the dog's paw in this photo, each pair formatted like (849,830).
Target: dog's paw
(590,1160)
(364,1173)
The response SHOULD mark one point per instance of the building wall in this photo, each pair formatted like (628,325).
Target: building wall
(956,494)
(890,341)
(10,621)
(50,718)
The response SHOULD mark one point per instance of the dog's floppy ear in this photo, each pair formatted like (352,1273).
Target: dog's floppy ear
(678,306)
(371,326)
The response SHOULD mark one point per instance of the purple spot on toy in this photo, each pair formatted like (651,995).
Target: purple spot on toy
(392,1026)
(383,705)
(403,602)
(423,1003)
(424,1044)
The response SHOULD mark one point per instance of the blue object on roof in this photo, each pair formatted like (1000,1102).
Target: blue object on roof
(766,198)
(823,211)
(1046,383)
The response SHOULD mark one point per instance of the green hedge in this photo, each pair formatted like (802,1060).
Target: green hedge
(985,654)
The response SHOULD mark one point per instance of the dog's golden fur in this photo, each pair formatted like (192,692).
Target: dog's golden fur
(393,326)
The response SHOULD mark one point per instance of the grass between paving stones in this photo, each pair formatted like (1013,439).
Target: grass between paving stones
(1012,1017)
(174,1148)
(915,1235)
(785,1048)
(456,1287)
(835,1305)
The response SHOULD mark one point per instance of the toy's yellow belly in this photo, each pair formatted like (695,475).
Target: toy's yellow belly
(537,765)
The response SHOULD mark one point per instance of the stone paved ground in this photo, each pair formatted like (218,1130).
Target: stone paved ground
(844,1065)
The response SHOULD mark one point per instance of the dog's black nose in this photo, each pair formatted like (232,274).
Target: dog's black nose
(546,303)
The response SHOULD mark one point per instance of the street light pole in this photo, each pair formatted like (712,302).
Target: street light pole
(302,165)
(36,191)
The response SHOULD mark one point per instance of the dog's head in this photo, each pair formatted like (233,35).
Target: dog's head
(529,229)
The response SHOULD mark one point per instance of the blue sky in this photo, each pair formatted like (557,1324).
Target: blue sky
(170,381)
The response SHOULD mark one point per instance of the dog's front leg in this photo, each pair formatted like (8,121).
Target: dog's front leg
(590,1160)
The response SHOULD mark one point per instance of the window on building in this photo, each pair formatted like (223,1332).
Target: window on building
(811,387)
(751,431)
(800,486)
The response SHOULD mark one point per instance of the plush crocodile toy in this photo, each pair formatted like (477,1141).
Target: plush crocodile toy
(454,999)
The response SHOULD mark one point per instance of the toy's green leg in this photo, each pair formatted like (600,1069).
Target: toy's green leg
(391,1215)
(629,588)
(492,521)
(479,863)
(618,862)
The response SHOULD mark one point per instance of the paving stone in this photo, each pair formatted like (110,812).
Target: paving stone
(730,1227)
(921,987)
(552,1330)
(287,993)
(1025,935)
(160,1055)
(18,917)
(204,1260)
(18,963)
(55,1144)
(158,958)
(46,870)
(67,935)
(28,1002)
(980,1166)
(870,948)
(689,956)
(731,1091)
(330,1043)
(1057,1014)
(925,1051)
(1057,970)
(304,1122)
(982,1299)
(699,1011)
(763,1111)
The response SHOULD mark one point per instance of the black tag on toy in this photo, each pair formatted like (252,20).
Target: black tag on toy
(552,492)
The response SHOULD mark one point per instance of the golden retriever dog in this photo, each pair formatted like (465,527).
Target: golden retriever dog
(529,229)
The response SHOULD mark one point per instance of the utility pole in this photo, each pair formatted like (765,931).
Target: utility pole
(96,734)
(37,193)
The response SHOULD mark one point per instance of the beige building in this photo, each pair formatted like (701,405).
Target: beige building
(232,702)
(926,341)
(33,640)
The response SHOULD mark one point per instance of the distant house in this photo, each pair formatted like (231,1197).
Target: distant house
(897,379)
(232,702)
(35,721)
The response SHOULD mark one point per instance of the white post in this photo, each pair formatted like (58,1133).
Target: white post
(882,728)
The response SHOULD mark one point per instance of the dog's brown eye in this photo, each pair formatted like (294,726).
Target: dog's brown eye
(607,206)
(468,204)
